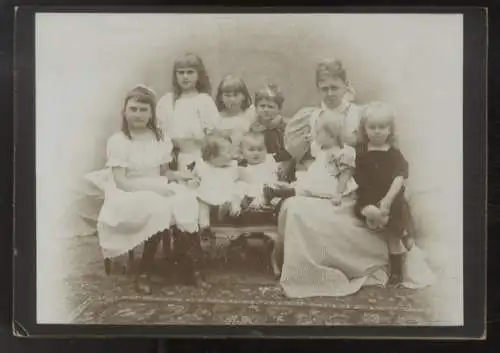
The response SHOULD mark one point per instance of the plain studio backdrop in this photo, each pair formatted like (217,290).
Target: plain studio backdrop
(85,63)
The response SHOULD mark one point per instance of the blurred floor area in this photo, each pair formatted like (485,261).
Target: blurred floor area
(235,297)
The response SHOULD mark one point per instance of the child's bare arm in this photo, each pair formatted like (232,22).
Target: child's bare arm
(176,176)
(396,186)
(157,184)
(400,174)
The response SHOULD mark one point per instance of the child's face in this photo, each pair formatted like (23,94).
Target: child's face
(233,100)
(187,78)
(267,110)
(254,150)
(324,138)
(378,130)
(225,156)
(137,114)
(332,91)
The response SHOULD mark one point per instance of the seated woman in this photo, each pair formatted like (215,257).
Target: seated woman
(327,250)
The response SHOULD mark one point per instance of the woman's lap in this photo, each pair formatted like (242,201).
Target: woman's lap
(327,244)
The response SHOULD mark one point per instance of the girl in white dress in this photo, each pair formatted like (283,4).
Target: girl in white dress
(140,205)
(189,113)
(235,106)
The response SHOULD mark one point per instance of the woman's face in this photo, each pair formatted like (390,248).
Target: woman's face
(137,114)
(233,101)
(332,91)
(187,78)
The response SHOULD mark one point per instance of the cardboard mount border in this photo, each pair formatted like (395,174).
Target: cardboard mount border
(475,164)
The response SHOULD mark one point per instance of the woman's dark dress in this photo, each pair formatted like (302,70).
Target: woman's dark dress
(375,172)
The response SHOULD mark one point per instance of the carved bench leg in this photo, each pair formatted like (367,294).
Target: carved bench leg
(107,266)
(131,262)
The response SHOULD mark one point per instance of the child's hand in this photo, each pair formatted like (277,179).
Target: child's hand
(385,207)
(235,209)
(281,185)
(186,176)
(193,183)
(373,216)
(336,199)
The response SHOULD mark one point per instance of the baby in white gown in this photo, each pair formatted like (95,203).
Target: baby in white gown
(217,173)
(330,175)
(257,169)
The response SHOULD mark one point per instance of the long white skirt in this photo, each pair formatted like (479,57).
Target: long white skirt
(127,219)
(328,251)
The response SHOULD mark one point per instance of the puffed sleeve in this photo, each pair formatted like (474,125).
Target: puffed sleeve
(401,165)
(296,131)
(351,125)
(209,114)
(117,151)
(164,113)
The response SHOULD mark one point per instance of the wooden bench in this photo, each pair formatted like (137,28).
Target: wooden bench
(232,230)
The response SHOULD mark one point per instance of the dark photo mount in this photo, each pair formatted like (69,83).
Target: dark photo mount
(474,194)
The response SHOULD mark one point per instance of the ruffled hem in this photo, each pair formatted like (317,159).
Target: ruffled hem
(114,254)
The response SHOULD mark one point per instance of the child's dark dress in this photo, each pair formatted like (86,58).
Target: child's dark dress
(375,172)
(273,137)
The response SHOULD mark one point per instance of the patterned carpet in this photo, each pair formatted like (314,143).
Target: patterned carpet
(235,297)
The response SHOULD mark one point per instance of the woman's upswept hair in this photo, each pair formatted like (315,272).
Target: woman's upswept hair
(332,68)
(272,92)
(192,61)
(146,95)
(379,110)
(212,145)
(235,84)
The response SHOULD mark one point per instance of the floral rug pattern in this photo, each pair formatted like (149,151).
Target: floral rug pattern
(235,297)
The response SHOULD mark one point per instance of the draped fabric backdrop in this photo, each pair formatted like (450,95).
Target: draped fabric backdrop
(85,63)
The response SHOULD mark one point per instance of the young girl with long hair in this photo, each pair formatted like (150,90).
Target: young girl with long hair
(188,113)
(140,205)
(234,103)
(381,171)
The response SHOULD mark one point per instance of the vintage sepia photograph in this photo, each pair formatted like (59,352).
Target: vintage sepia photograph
(249,169)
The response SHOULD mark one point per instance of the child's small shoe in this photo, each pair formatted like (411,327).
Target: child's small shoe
(281,192)
(224,210)
(396,268)
(246,202)
(199,280)
(395,280)
(143,285)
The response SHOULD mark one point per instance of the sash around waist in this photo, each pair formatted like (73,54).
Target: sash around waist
(188,145)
